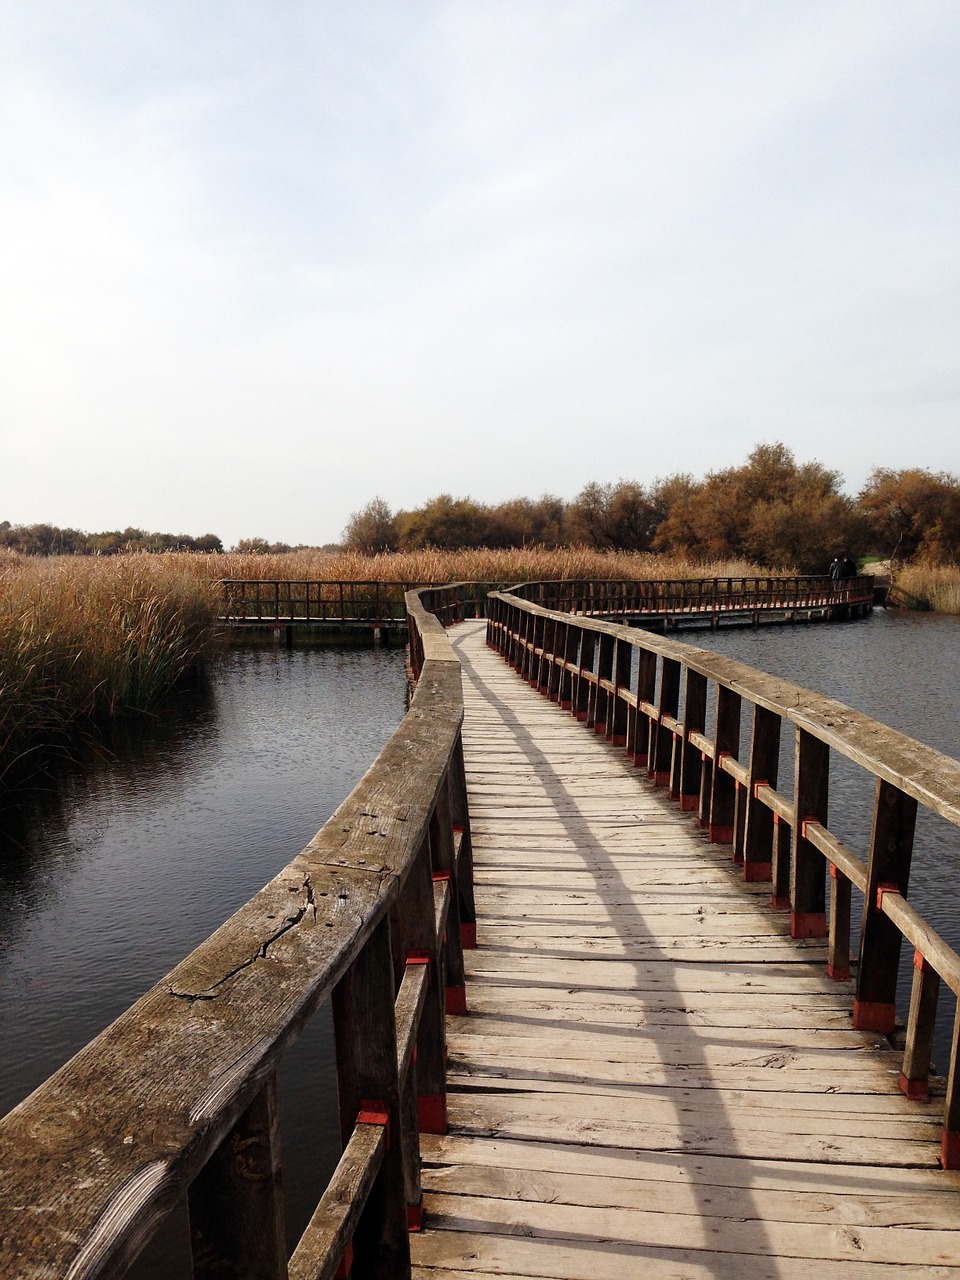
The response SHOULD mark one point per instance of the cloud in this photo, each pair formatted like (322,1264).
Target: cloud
(261,262)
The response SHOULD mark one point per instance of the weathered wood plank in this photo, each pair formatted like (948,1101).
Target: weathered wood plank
(710,1109)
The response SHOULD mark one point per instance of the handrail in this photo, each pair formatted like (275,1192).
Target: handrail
(334,600)
(179,1094)
(630,685)
(677,596)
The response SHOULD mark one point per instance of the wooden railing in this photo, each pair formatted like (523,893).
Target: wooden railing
(649,695)
(592,597)
(332,602)
(179,1094)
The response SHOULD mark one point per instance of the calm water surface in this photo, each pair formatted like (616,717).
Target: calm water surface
(141,857)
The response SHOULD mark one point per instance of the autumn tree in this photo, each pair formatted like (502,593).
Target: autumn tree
(913,512)
(526,522)
(445,522)
(372,529)
(771,510)
(620,516)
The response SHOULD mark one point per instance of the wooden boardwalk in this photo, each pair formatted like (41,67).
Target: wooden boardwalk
(652,1081)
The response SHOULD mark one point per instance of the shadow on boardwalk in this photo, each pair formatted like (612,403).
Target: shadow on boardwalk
(648,1080)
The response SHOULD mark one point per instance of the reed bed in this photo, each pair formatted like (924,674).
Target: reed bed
(932,586)
(82,641)
(519,565)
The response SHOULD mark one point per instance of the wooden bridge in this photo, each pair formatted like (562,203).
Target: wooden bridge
(654,1059)
(379,608)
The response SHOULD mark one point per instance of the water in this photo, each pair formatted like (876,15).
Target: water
(107,885)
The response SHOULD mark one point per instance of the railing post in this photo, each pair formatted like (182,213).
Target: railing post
(924,994)
(888,870)
(601,695)
(691,757)
(581,697)
(726,741)
(808,898)
(950,1143)
(236,1202)
(442,850)
(569,655)
(460,815)
(366,1043)
(623,662)
(646,690)
(661,738)
(764,767)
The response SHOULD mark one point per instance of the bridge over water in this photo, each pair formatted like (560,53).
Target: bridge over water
(595,1009)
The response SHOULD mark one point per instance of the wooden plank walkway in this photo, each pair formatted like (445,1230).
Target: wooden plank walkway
(652,1080)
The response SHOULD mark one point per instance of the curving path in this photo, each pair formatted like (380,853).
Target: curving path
(652,1082)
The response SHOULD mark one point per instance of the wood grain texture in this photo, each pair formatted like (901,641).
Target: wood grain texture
(654,1078)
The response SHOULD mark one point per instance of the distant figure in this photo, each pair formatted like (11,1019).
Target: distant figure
(835,567)
(848,567)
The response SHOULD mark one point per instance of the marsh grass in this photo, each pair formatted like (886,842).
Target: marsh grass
(935,586)
(83,641)
(518,565)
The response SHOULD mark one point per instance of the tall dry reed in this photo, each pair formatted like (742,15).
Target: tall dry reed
(82,640)
(933,586)
(517,565)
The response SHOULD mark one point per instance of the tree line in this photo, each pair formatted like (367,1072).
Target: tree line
(771,510)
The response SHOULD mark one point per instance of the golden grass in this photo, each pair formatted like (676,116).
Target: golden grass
(935,586)
(82,640)
(86,638)
(518,565)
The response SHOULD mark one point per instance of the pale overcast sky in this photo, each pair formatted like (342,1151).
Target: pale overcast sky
(262,260)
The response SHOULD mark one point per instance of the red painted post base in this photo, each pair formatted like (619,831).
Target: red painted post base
(755,872)
(838,972)
(580,715)
(468,935)
(720,835)
(915,1090)
(661,779)
(432,1113)
(688,804)
(780,903)
(415,1216)
(343,1271)
(950,1149)
(455,1001)
(619,739)
(639,760)
(808,924)
(874,1015)
(565,704)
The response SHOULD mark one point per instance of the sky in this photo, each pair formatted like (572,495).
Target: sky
(263,260)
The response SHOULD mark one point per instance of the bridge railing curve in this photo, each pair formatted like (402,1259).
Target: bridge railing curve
(179,1094)
(692,596)
(649,695)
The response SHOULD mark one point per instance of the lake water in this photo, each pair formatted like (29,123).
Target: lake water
(140,857)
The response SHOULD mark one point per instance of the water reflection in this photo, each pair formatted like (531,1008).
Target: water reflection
(109,880)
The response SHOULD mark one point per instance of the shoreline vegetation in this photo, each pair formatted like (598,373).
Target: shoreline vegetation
(84,640)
